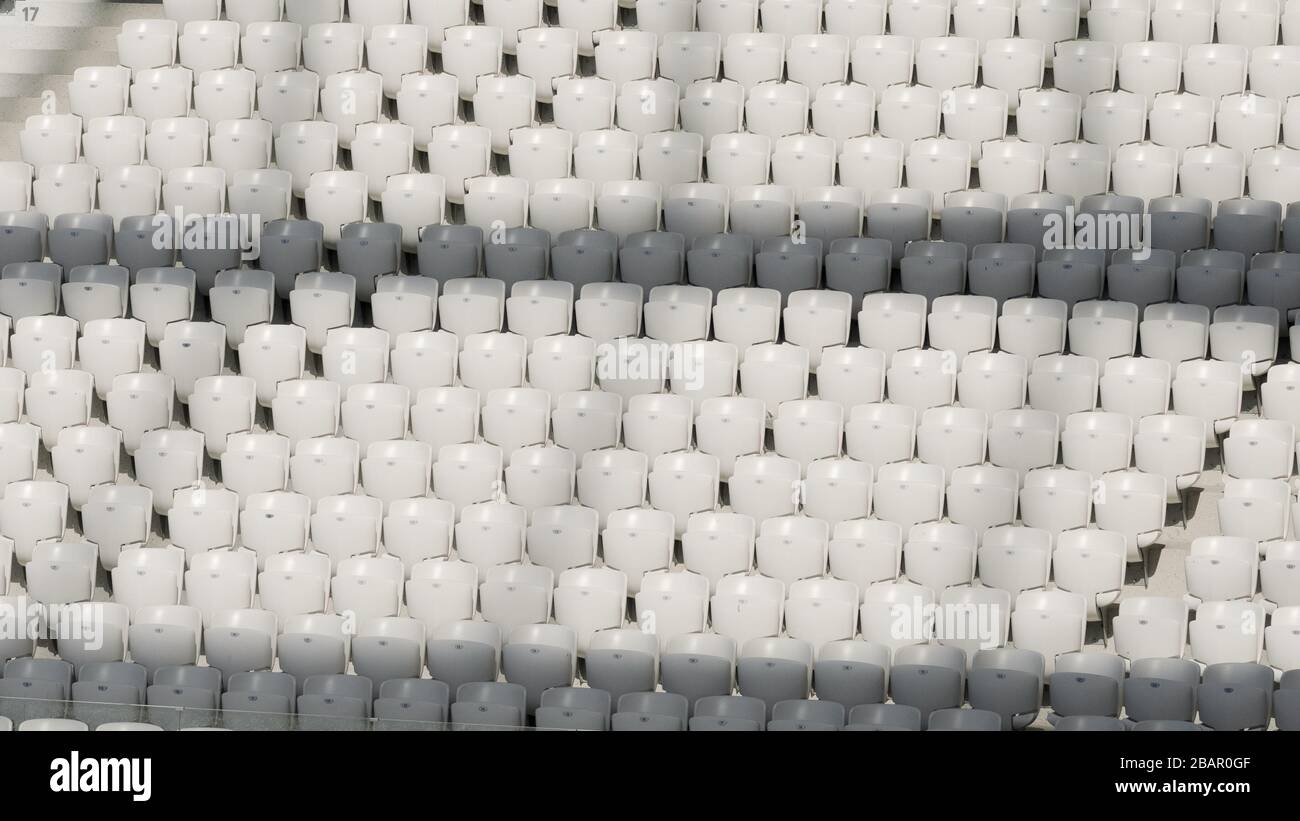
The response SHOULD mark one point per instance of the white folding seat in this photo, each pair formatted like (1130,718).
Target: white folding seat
(865,552)
(351,99)
(295,584)
(562,205)
(109,348)
(843,111)
(631,367)
(678,313)
(880,433)
(671,611)
(791,17)
(335,199)
(747,607)
(495,203)
(892,611)
(1084,66)
(263,194)
(606,311)
(406,308)
(1150,627)
(1150,69)
(1183,22)
(225,94)
(43,343)
(778,109)
(84,458)
(1172,446)
(737,160)
(540,476)
(818,320)
(20,447)
(822,611)
(1247,122)
(1277,581)
(807,430)
(561,537)
(1220,568)
(1272,171)
(545,55)
(729,428)
(382,152)
(921,379)
(137,403)
(582,104)
(99,91)
(1051,622)
(1227,632)
(1103,330)
(944,63)
(992,382)
(952,437)
(1090,563)
(605,156)
(855,18)
(1135,386)
(1212,172)
(1056,499)
(58,399)
(33,511)
(221,581)
(198,191)
(469,52)
(493,360)
(647,106)
(938,166)
(883,60)
(790,548)
(668,159)
(1049,116)
(962,324)
(1211,391)
(1145,170)
(747,316)
(325,466)
(1245,334)
(815,60)
(1079,169)
(774,373)
(267,47)
(168,460)
(626,207)
(1097,442)
(1064,384)
(664,16)
(1259,449)
(255,463)
(727,18)
(467,473)
(1015,558)
(940,555)
(502,104)
(394,51)
(1119,21)
(513,17)
(62,572)
(332,47)
(393,470)
(684,483)
(919,18)
(274,522)
(1033,328)
(346,526)
(909,113)
(907,493)
(353,356)
(305,149)
(892,322)
(222,405)
(322,301)
(369,586)
(129,191)
(655,424)
(489,535)
(444,415)
(1254,509)
(1132,503)
(64,189)
(110,142)
(143,44)
(1250,23)
(1213,70)
(1277,395)
(1175,332)
(426,102)
(538,154)
(50,139)
(419,532)
(375,412)
(472,306)
(978,115)
(710,108)
(982,497)
(589,600)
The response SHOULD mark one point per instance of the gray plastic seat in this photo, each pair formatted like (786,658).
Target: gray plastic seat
(464,653)
(620,670)
(697,666)
(416,689)
(104,701)
(185,696)
(653,258)
(806,714)
(1161,690)
(1027,219)
(134,246)
(450,251)
(574,708)
(829,221)
(117,672)
(1232,707)
(1241,673)
(729,714)
(1166,726)
(1086,684)
(1291,229)
(522,254)
(584,256)
(928,677)
(786,265)
(411,704)
(1212,278)
(957,719)
(1090,724)
(1069,282)
(81,239)
(1008,682)
(650,712)
(359,688)
(209,261)
(851,673)
(933,268)
(1247,225)
(290,248)
(720,261)
(1286,701)
(259,700)
(898,222)
(1110,211)
(367,251)
(859,266)
(1179,224)
(1002,270)
(1142,282)
(22,699)
(334,702)
(55,670)
(972,225)
(489,704)
(885,717)
(775,670)
(1274,281)
(22,236)
(538,667)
